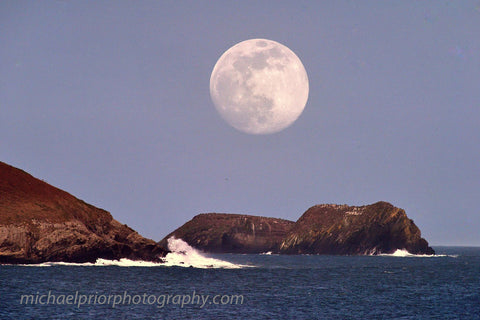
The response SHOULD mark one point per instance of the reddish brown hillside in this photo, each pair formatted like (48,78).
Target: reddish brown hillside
(24,198)
(39,222)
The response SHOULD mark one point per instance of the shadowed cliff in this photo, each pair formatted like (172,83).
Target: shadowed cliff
(342,229)
(40,223)
(232,233)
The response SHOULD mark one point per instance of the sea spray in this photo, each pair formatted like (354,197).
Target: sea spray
(404,253)
(183,255)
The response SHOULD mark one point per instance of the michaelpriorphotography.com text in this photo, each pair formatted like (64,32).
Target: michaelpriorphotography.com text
(79,299)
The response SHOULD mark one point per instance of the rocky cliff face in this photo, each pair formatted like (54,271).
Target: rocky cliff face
(322,229)
(40,223)
(232,233)
(342,229)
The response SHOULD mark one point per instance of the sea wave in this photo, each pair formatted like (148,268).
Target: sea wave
(101,263)
(404,253)
(181,255)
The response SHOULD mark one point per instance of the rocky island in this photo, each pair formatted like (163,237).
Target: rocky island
(322,229)
(349,230)
(40,223)
(232,233)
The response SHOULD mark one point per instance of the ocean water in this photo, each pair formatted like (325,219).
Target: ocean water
(193,285)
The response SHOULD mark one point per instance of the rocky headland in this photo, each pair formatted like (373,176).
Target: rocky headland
(349,230)
(322,229)
(232,233)
(40,223)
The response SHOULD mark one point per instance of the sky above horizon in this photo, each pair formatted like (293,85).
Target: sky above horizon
(110,101)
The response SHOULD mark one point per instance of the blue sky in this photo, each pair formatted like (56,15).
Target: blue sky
(110,102)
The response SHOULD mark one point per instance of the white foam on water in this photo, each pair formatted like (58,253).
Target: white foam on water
(183,255)
(100,263)
(404,253)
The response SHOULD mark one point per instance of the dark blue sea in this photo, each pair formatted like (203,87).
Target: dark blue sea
(198,286)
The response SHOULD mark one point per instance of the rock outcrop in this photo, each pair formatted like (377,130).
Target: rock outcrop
(40,223)
(347,230)
(322,229)
(232,233)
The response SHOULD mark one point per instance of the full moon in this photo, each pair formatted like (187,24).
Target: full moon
(259,86)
